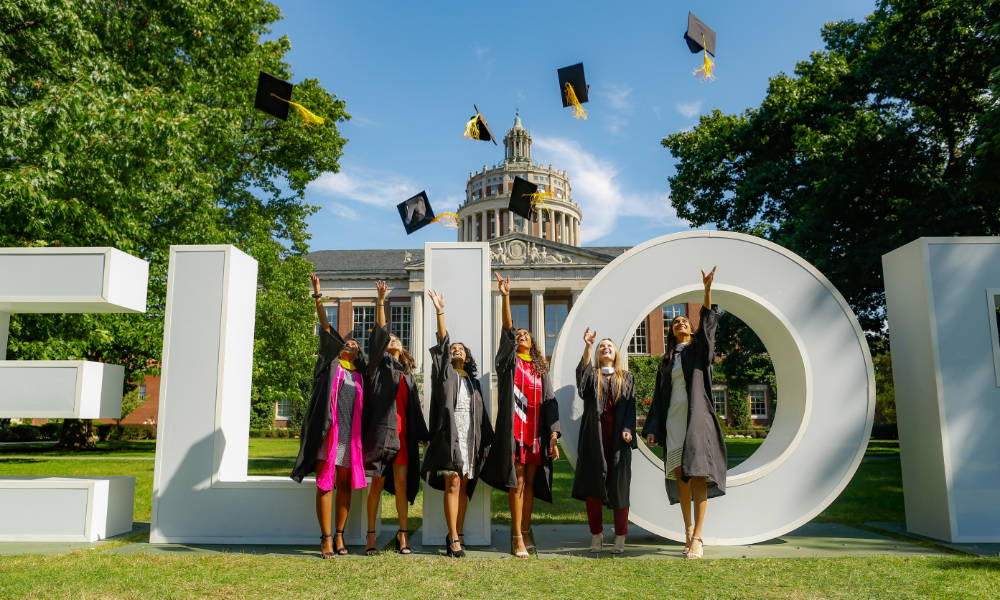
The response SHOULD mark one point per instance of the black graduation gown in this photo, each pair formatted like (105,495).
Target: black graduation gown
(499,468)
(380,438)
(318,418)
(443,452)
(594,477)
(704,447)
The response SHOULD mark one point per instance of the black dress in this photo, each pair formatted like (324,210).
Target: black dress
(318,419)
(380,435)
(499,468)
(444,453)
(594,476)
(704,447)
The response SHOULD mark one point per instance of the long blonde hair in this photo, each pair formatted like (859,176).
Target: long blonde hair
(617,379)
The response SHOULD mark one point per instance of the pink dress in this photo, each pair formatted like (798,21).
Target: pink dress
(325,480)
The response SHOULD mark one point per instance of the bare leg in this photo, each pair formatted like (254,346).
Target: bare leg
(516,498)
(374,493)
(699,487)
(684,488)
(324,511)
(463,503)
(402,510)
(342,504)
(452,491)
(528,501)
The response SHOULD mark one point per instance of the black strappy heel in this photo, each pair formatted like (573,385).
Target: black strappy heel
(343,549)
(325,555)
(400,549)
(371,550)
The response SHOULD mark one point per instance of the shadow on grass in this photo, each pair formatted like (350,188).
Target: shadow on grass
(981,564)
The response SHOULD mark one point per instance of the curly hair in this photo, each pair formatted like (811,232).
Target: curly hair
(539,365)
(470,363)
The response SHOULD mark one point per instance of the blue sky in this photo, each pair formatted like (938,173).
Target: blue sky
(410,73)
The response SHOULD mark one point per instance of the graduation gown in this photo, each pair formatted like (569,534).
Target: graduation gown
(704,447)
(594,476)
(499,468)
(380,435)
(443,452)
(318,418)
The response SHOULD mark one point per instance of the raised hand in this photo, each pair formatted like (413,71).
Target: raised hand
(554,449)
(707,279)
(589,336)
(315,282)
(437,299)
(503,285)
(381,289)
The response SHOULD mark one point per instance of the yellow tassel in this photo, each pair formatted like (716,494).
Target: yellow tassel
(707,66)
(572,99)
(538,200)
(447,219)
(472,128)
(308,117)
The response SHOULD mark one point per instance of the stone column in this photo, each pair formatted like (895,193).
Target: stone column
(417,328)
(538,317)
(461,231)
(496,222)
(576,227)
(510,221)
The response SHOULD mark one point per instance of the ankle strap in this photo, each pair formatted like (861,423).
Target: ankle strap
(326,535)
(407,531)
(340,531)
(370,531)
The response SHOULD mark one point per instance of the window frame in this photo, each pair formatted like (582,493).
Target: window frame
(757,388)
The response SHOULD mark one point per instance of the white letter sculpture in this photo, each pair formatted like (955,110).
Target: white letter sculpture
(65,280)
(826,389)
(942,298)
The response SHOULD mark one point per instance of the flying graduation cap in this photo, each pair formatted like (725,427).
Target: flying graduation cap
(525,198)
(477,129)
(700,38)
(274,96)
(416,212)
(573,88)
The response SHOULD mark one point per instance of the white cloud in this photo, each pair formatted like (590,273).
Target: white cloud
(616,124)
(364,185)
(596,188)
(689,109)
(617,96)
(481,51)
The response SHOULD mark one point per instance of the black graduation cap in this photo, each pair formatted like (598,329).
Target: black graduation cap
(268,84)
(573,75)
(520,197)
(482,130)
(698,36)
(415,212)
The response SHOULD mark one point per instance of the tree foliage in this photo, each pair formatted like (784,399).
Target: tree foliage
(889,134)
(131,124)
(744,361)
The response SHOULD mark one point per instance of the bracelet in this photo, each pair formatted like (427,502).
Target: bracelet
(440,313)
(317,296)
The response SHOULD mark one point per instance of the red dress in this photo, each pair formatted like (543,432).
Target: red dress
(402,396)
(527,413)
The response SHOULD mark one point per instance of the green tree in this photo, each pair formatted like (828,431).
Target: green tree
(890,134)
(131,124)
(744,361)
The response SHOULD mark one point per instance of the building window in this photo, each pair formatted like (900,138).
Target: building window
(331,316)
(758,401)
(669,312)
(399,323)
(142,392)
(555,316)
(521,314)
(364,321)
(719,400)
(638,343)
(283,409)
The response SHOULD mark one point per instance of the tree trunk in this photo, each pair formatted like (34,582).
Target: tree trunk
(77,434)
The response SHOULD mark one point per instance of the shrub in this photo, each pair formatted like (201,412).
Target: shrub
(50,431)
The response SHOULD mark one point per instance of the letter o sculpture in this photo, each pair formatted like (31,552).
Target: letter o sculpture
(825,381)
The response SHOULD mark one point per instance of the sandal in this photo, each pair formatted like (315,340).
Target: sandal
(619,546)
(460,553)
(401,549)
(688,533)
(322,554)
(371,550)
(529,540)
(691,555)
(523,554)
(597,542)
(341,550)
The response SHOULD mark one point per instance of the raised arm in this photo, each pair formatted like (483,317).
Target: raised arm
(588,340)
(324,324)
(707,280)
(381,292)
(438,301)
(503,286)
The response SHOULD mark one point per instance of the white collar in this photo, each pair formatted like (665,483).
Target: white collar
(607,370)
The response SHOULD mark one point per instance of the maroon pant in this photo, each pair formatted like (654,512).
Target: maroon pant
(596,523)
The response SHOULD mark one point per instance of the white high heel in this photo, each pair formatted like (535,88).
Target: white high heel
(619,545)
(597,542)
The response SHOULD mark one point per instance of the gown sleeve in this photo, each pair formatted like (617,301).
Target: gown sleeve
(706,333)
(330,346)
(628,397)
(657,409)
(550,406)
(585,382)
(506,352)
(378,341)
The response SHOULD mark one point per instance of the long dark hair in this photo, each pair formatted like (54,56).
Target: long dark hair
(668,354)
(405,358)
(539,365)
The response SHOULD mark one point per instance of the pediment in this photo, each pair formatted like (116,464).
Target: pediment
(517,249)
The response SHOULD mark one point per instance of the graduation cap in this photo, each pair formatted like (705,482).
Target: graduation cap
(274,96)
(573,88)
(477,129)
(700,38)
(416,212)
(525,198)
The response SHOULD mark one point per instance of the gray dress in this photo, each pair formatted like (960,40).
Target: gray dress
(345,418)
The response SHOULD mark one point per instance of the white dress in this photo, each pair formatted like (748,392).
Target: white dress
(677,416)
(463,425)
